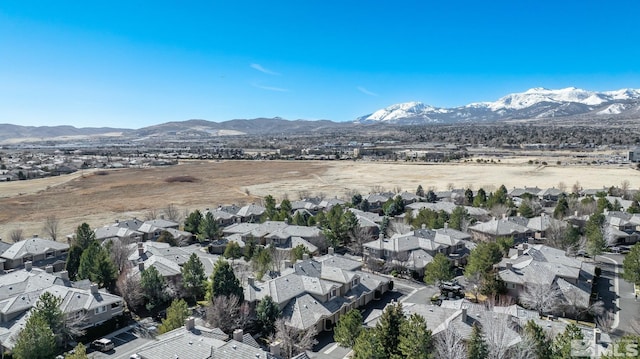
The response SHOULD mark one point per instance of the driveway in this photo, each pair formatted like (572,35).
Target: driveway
(620,295)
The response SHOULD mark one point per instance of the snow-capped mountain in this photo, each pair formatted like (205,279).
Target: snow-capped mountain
(535,103)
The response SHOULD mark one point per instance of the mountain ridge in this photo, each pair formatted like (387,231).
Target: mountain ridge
(535,103)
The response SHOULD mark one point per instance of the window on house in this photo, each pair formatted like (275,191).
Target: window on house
(355,282)
(27,258)
(115,305)
(49,255)
(101,309)
(332,294)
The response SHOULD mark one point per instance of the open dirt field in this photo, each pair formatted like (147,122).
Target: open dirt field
(101,197)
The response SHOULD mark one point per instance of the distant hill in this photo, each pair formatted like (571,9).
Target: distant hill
(198,128)
(255,126)
(16,133)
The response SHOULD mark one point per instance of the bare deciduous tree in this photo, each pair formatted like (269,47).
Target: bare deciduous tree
(228,314)
(499,210)
(172,213)
(151,214)
(129,288)
(624,189)
(543,298)
(562,186)
(294,341)
(449,344)
(360,236)
(16,235)
(119,253)
(51,227)
(498,334)
(576,188)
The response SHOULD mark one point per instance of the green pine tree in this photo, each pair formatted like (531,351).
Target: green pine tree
(177,312)
(478,348)
(348,328)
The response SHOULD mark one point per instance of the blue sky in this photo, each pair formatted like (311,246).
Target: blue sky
(132,63)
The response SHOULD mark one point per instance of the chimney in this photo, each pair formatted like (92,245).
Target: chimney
(509,265)
(504,216)
(331,251)
(190,323)
(48,269)
(94,288)
(251,281)
(64,275)
(274,348)
(305,256)
(575,214)
(519,214)
(525,246)
(531,240)
(141,266)
(423,226)
(238,334)
(520,251)
(597,333)
(28,265)
(140,249)
(464,315)
(162,216)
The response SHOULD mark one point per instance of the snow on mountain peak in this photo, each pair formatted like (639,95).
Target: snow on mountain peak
(537,102)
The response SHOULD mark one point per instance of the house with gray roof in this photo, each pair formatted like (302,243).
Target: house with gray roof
(280,234)
(415,249)
(250,213)
(21,289)
(500,324)
(40,252)
(123,234)
(504,227)
(449,207)
(315,292)
(196,342)
(542,265)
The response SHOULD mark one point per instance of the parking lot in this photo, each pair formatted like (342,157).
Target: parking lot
(126,343)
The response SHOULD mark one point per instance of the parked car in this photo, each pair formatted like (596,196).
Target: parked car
(103,344)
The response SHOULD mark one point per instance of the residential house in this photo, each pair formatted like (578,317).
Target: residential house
(40,252)
(250,213)
(541,224)
(377,200)
(168,259)
(197,342)
(20,290)
(113,231)
(316,292)
(549,196)
(327,204)
(523,192)
(622,228)
(542,265)
(449,207)
(415,249)
(504,227)
(501,325)
(278,233)
(222,217)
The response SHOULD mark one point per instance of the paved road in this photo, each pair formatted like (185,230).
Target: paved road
(627,306)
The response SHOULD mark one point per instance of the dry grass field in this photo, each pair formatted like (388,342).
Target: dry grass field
(99,197)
